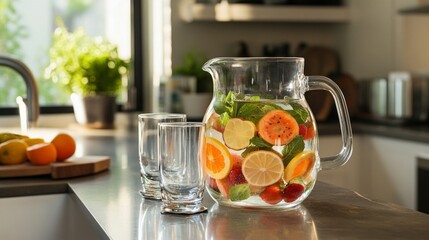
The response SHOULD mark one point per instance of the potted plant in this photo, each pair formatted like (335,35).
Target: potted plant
(195,103)
(91,70)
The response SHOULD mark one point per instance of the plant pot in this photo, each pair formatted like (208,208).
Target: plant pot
(97,111)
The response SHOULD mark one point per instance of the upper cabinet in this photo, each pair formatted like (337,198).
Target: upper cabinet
(225,12)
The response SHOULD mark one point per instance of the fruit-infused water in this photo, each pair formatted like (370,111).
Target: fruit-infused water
(260,153)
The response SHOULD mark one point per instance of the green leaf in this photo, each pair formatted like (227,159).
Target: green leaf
(299,112)
(253,148)
(255,111)
(220,107)
(224,118)
(239,192)
(259,142)
(248,150)
(292,149)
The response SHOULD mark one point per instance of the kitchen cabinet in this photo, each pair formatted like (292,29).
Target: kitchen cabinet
(346,176)
(389,168)
(380,168)
(225,12)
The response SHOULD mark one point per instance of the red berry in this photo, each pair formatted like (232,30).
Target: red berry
(302,130)
(310,133)
(272,194)
(293,191)
(213,184)
(236,175)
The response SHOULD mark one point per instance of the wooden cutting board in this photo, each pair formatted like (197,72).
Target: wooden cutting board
(73,167)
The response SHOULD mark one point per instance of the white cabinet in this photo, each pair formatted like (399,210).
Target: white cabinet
(389,169)
(346,176)
(380,168)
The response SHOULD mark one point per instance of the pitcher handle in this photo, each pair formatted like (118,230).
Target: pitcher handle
(324,83)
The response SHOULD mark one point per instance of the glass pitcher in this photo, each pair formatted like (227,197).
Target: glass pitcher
(261,142)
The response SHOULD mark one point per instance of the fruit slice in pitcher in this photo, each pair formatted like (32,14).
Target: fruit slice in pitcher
(262,168)
(300,166)
(237,133)
(217,159)
(278,127)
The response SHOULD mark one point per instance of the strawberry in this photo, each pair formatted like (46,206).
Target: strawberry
(213,184)
(293,190)
(214,122)
(272,194)
(309,133)
(236,175)
(302,130)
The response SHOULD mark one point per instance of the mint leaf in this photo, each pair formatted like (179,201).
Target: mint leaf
(224,118)
(239,192)
(227,104)
(256,143)
(255,111)
(292,149)
(248,150)
(259,142)
(220,107)
(299,112)
(253,148)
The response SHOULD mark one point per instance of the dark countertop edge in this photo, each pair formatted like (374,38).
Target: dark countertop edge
(34,188)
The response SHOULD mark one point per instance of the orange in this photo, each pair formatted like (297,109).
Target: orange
(300,166)
(65,145)
(13,152)
(262,168)
(217,159)
(237,133)
(42,153)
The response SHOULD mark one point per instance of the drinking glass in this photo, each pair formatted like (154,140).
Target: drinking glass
(180,150)
(148,153)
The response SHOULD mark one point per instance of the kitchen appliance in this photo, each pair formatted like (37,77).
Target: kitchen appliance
(422,183)
(399,98)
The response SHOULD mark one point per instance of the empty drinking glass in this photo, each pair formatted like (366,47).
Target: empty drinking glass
(180,150)
(148,151)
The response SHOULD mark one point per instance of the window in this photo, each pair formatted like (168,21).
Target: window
(26,29)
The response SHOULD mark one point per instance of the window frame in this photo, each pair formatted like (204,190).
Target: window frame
(135,86)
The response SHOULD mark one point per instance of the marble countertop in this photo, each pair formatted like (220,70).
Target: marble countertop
(113,203)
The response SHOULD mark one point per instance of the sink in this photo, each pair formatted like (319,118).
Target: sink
(47,216)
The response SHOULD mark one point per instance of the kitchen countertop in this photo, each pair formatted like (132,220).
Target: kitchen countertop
(111,198)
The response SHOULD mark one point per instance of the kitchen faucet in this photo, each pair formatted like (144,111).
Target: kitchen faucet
(31,102)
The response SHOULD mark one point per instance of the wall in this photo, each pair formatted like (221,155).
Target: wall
(375,41)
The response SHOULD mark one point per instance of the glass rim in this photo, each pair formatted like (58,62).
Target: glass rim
(253,59)
(181,124)
(161,115)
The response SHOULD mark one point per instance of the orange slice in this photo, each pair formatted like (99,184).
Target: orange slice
(217,159)
(262,168)
(237,133)
(300,166)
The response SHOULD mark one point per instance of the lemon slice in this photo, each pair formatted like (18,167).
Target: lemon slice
(262,168)
(300,166)
(237,133)
(217,159)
